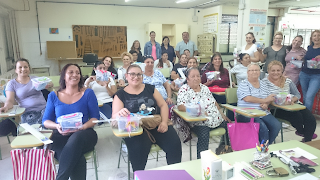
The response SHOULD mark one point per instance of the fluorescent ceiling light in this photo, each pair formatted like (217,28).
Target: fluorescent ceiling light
(126,0)
(181,1)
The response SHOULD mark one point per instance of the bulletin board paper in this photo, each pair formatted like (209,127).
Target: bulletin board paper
(258,23)
(210,23)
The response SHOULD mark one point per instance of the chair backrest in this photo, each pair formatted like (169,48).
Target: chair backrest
(55,80)
(90,58)
(234,78)
(231,95)
(165,72)
(86,71)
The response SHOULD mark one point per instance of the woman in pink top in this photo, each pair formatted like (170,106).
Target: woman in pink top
(294,52)
(152,47)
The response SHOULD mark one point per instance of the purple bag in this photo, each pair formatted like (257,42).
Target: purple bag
(243,135)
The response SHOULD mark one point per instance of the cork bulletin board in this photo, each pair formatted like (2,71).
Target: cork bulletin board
(101,40)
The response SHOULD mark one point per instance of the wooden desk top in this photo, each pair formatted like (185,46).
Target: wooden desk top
(126,134)
(19,111)
(27,141)
(188,118)
(245,111)
(295,107)
(315,144)
(100,104)
(194,167)
(219,93)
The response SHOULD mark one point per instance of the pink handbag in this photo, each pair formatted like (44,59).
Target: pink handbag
(243,135)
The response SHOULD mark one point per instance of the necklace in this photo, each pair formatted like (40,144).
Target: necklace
(21,82)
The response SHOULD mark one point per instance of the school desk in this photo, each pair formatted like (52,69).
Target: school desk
(28,141)
(188,118)
(247,112)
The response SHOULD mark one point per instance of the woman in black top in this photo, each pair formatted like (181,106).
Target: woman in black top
(130,100)
(165,47)
(136,47)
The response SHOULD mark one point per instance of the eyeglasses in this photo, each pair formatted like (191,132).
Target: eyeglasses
(133,75)
(147,56)
(255,70)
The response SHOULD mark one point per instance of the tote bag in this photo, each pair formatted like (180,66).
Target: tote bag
(33,164)
(243,135)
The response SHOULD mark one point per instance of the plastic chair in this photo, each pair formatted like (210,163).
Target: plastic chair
(165,72)
(216,132)
(55,80)
(154,148)
(86,71)
(231,95)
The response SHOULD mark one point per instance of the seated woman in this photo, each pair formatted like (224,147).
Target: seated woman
(70,146)
(163,62)
(253,93)
(241,69)
(129,100)
(109,65)
(156,78)
(217,65)
(191,63)
(302,120)
(22,91)
(195,92)
(182,64)
(104,90)
(127,60)
(134,55)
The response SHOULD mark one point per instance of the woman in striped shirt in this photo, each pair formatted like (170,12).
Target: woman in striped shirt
(302,120)
(253,93)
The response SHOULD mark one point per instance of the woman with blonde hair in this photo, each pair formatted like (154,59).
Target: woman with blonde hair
(122,70)
(275,52)
(137,48)
(302,120)
(310,78)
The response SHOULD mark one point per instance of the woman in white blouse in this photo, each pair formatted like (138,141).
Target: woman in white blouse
(163,62)
(250,48)
(240,70)
(104,90)
(195,92)
(122,70)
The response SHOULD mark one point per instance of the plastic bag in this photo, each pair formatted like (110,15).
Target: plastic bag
(104,75)
(296,63)
(282,98)
(40,83)
(179,82)
(213,75)
(194,109)
(313,63)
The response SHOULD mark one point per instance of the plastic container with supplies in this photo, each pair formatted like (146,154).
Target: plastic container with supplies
(296,63)
(313,64)
(213,75)
(70,122)
(129,124)
(193,109)
(281,98)
(40,83)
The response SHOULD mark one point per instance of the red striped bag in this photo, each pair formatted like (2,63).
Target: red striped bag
(33,164)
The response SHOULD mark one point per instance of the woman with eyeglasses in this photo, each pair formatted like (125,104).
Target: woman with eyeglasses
(126,60)
(155,77)
(195,92)
(294,52)
(253,93)
(275,52)
(129,100)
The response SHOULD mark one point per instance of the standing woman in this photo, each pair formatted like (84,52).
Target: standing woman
(310,78)
(275,52)
(152,47)
(129,100)
(104,90)
(240,70)
(251,48)
(22,91)
(163,62)
(71,146)
(136,47)
(156,78)
(122,70)
(294,52)
(165,47)
(109,65)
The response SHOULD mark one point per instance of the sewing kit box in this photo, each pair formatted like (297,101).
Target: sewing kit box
(162,174)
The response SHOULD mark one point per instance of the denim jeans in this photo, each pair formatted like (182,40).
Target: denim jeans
(269,127)
(106,109)
(310,84)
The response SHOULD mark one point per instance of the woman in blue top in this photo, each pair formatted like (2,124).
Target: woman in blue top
(152,47)
(70,146)
(310,78)
(156,78)
(166,47)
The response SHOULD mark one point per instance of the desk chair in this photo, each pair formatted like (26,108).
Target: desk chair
(165,72)
(154,148)
(86,71)
(55,80)
(90,58)
(216,132)
(7,139)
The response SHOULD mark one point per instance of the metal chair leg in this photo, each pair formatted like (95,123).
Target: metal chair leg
(157,155)
(190,150)
(95,163)
(128,168)
(281,132)
(120,154)
(0,154)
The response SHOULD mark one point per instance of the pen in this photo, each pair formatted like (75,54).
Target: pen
(249,173)
(246,174)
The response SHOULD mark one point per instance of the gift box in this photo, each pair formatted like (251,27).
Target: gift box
(313,63)
(193,109)
(213,75)
(70,122)
(128,124)
(40,83)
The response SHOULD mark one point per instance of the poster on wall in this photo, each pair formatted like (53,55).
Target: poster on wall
(101,40)
(258,23)
(210,23)
(53,30)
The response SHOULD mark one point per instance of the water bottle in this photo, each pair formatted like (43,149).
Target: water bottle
(235,55)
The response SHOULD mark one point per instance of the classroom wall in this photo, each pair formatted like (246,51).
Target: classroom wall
(63,16)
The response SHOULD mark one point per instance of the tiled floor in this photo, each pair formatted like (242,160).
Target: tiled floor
(108,153)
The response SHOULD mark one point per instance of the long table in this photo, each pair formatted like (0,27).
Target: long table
(194,167)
